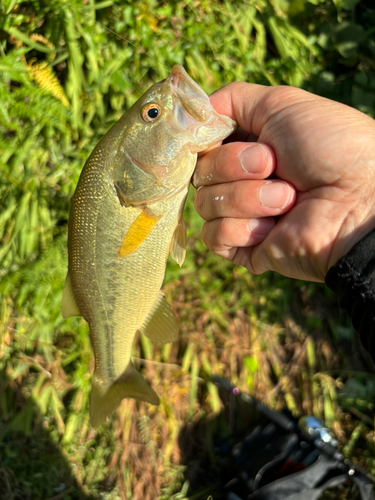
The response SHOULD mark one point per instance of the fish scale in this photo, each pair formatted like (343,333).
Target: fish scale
(126,217)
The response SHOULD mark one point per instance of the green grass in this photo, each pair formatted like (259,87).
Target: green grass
(64,79)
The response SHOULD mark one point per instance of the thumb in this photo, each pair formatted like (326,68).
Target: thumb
(252,106)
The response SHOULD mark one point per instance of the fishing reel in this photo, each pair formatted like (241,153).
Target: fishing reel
(292,457)
(314,428)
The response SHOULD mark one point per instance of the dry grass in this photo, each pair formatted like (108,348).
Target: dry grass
(148,452)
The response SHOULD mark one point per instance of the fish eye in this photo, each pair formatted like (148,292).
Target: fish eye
(150,112)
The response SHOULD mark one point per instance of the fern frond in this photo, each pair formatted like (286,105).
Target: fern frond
(39,281)
(12,68)
(45,77)
(37,37)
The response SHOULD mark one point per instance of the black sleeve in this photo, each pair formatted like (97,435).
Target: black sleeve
(352,278)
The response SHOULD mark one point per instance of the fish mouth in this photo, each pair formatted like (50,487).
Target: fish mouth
(191,99)
(194,112)
(184,87)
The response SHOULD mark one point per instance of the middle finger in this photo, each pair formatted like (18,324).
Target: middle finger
(244,199)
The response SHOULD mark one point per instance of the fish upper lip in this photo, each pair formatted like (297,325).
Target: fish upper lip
(179,75)
(190,98)
(192,108)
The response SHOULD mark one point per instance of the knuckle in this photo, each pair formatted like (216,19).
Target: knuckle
(237,197)
(209,236)
(198,201)
(232,194)
(212,235)
(204,234)
(224,229)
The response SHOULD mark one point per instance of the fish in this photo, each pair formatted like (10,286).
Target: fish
(125,219)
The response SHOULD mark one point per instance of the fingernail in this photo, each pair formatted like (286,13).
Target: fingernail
(274,194)
(253,159)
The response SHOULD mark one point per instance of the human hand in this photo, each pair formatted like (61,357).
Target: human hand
(321,198)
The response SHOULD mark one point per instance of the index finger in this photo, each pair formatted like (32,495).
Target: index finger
(233,162)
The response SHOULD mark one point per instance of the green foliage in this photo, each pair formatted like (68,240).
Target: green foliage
(344,30)
(65,79)
(68,70)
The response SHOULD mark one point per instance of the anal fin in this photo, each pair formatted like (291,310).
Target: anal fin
(68,304)
(106,397)
(161,325)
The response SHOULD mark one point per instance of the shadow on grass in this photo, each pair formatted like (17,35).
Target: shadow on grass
(32,466)
(222,454)
(206,447)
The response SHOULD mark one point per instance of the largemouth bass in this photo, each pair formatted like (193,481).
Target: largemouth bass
(125,218)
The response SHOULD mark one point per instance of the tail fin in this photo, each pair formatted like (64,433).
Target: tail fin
(105,398)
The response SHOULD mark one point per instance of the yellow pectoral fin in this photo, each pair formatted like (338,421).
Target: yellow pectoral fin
(138,232)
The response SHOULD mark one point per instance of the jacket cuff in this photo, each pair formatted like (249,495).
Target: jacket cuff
(352,278)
